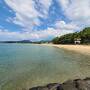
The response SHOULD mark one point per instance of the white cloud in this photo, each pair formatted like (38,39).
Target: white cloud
(27,16)
(39,35)
(26,13)
(77,10)
(64,3)
(62,25)
(45,5)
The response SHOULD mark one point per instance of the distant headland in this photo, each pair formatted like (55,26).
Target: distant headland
(22,41)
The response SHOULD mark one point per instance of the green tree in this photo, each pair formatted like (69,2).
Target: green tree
(84,35)
(56,40)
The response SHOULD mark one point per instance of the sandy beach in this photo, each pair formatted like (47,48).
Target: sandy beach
(83,49)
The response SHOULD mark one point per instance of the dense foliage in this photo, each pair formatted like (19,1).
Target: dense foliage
(84,35)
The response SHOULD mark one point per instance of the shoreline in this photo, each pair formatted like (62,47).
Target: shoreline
(83,49)
(76,84)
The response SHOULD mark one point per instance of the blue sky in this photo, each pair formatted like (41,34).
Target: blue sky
(42,19)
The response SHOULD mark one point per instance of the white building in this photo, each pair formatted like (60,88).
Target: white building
(77,41)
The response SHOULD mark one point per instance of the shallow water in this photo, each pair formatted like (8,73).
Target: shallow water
(26,65)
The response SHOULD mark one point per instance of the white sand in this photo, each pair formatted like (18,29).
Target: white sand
(83,49)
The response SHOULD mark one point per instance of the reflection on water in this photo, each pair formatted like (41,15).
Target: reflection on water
(25,65)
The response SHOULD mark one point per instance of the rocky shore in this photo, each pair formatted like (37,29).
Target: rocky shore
(77,84)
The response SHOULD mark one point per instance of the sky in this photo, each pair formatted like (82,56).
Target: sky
(38,20)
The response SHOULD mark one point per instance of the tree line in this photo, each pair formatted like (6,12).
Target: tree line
(70,38)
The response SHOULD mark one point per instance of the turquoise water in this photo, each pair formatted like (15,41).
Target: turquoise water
(26,65)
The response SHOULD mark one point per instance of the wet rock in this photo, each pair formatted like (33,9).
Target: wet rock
(77,84)
(39,88)
(51,85)
(69,85)
(83,84)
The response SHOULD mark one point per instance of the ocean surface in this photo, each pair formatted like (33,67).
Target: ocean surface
(25,65)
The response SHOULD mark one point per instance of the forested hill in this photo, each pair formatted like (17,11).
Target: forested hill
(84,35)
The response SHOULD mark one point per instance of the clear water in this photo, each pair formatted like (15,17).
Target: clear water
(26,65)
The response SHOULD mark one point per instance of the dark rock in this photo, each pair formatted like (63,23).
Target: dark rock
(51,85)
(83,84)
(54,86)
(69,85)
(39,88)
(87,79)
(77,84)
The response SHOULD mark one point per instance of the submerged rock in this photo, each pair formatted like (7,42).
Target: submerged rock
(77,84)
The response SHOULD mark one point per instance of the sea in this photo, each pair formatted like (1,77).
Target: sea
(23,66)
